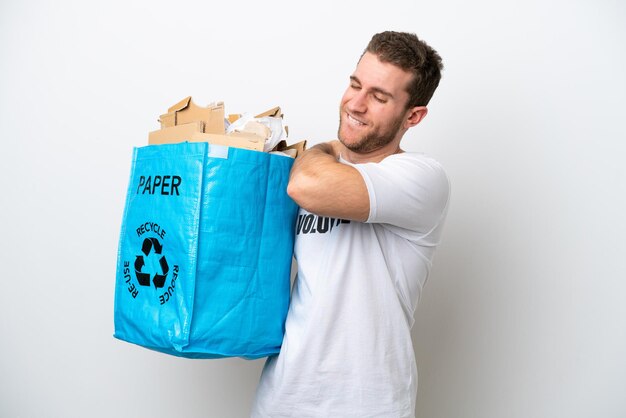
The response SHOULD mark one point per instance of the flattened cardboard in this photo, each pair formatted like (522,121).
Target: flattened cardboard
(168,119)
(186,111)
(299,147)
(294,150)
(174,134)
(180,105)
(192,132)
(251,142)
(273,112)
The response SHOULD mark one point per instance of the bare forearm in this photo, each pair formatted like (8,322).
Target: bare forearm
(321,184)
(309,163)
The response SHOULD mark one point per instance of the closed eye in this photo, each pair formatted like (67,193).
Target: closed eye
(354,83)
(380,99)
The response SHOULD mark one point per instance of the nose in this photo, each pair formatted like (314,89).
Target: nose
(357,102)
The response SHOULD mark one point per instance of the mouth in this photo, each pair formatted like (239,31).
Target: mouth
(354,121)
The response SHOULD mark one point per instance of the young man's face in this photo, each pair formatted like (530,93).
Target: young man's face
(373,108)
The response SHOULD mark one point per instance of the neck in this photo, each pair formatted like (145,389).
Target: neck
(374,156)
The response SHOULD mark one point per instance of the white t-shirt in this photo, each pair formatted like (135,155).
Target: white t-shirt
(347,350)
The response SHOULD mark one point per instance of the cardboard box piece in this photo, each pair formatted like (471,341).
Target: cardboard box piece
(293,150)
(192,132)
(186,121)
(187,111)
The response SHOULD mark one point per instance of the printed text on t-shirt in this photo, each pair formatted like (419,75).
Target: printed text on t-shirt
(312,224)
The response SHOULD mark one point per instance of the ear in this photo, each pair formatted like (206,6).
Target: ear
(415,116)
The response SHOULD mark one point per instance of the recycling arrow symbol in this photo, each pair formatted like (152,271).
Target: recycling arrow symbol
(149,246)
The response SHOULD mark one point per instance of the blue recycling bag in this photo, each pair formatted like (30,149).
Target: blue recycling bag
(204,258)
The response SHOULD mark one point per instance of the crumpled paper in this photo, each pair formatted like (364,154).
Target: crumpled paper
(271,128)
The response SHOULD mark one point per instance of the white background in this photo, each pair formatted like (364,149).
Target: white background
(524,313)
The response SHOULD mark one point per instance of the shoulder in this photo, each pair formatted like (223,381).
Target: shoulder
(415,161)
(406,189)
(410,169)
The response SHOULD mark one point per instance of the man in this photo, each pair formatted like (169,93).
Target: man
(371,217)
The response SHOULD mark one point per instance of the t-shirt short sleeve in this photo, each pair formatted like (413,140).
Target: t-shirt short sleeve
(408,190)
